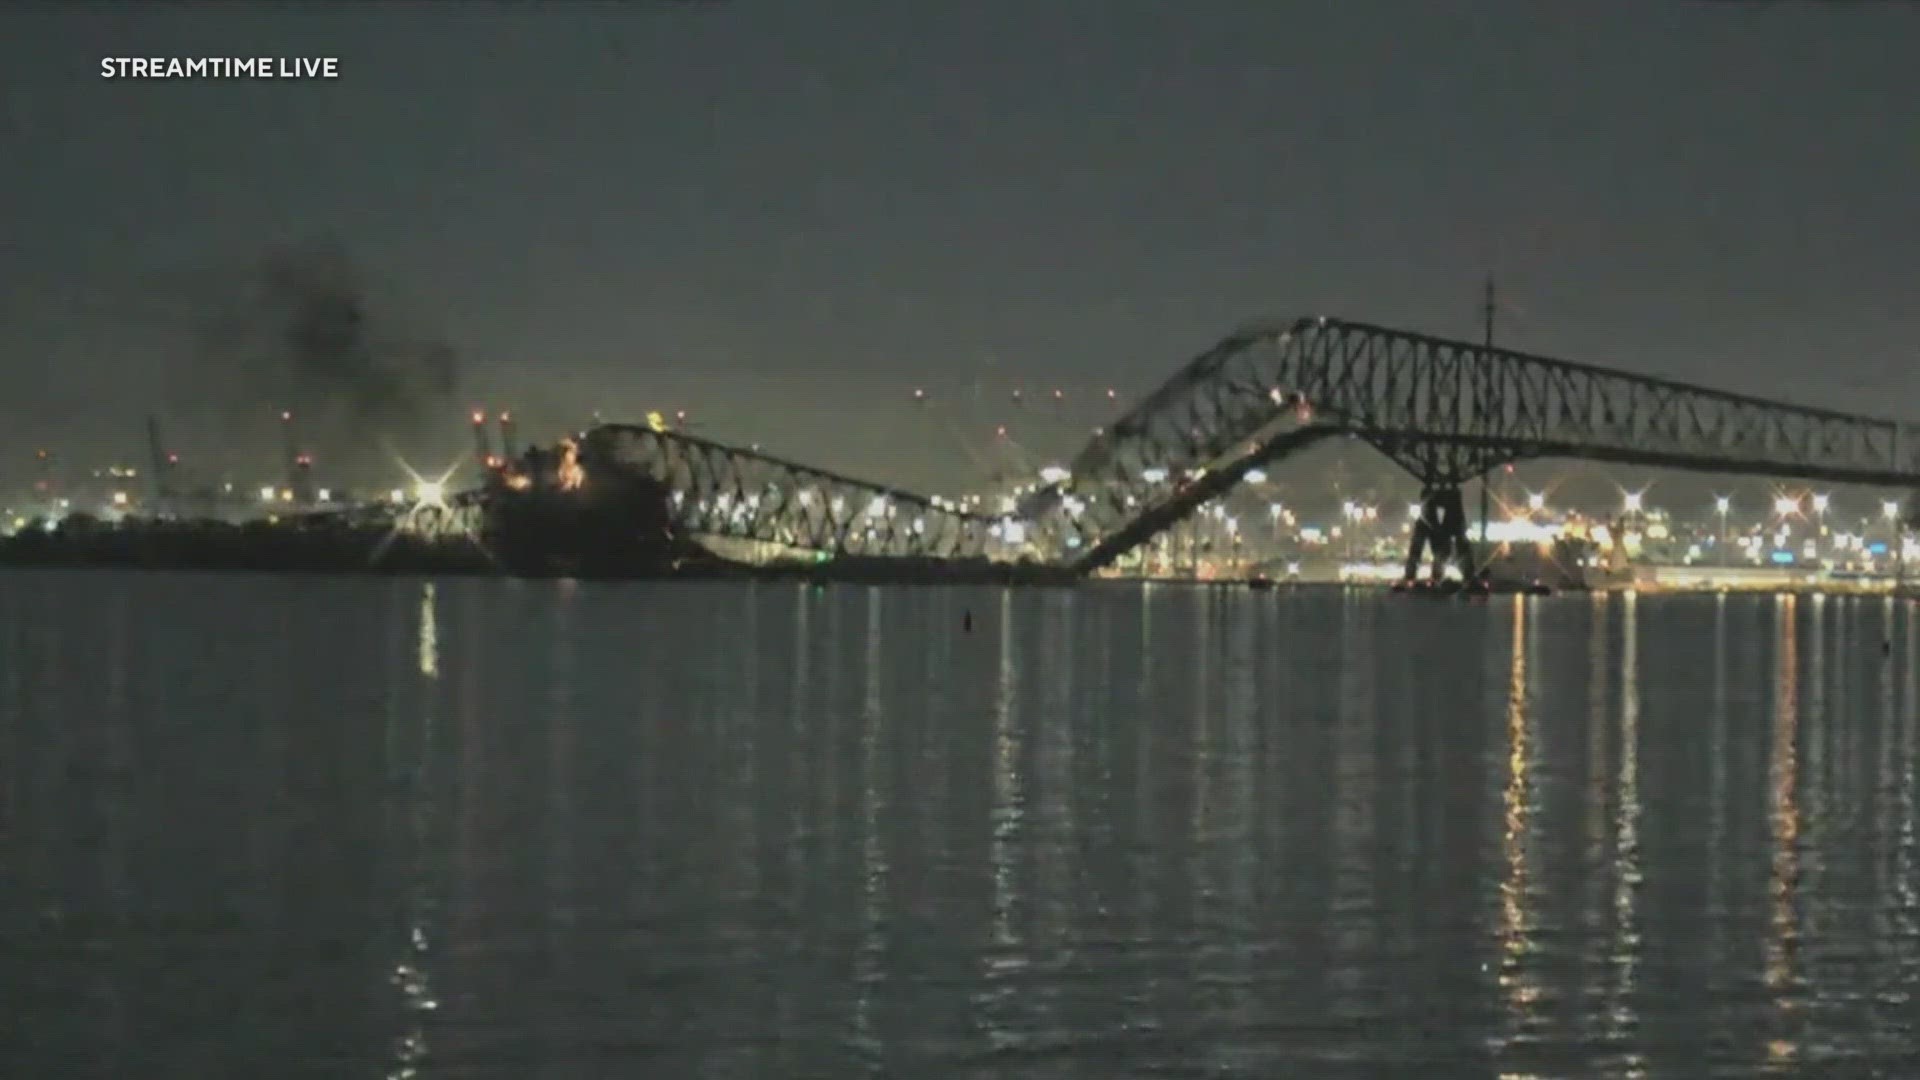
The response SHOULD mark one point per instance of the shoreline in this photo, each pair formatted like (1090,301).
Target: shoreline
(471,564)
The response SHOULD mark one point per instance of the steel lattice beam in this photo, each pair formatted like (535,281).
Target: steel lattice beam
(1444,410)
(724,491)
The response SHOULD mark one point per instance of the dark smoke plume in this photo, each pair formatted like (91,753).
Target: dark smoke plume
(300,331)
(318,342)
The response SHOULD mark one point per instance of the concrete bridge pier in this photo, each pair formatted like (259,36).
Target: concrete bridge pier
(1442,525)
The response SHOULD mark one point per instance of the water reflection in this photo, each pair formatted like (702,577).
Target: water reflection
(755,830)
(1004,960)
(1517,979)
(1626,948)
(869,972)
(411,974)
(1783,819)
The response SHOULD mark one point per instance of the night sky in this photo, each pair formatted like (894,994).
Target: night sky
(784,216)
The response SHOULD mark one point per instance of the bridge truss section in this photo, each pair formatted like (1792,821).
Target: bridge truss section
(1416,397)
(1446,411)
(723,491)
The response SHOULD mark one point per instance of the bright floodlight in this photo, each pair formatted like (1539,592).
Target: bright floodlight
(429,491)
(1890,510)
(1413,511)
(1536,500)
(1633,502)
(1722,503)
(1786,504)
(1820,504)
(1256,476)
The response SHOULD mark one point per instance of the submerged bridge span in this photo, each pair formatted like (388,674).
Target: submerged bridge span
(721,491)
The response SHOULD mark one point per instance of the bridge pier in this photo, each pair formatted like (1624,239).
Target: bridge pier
(1442,525)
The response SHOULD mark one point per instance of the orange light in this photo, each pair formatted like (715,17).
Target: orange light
(571,475)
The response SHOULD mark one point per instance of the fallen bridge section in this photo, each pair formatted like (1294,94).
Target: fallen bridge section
(732,493)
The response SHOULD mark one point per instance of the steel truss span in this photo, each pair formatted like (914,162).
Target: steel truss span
(1446,411)
(723,491)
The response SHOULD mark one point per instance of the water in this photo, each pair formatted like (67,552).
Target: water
(287,827)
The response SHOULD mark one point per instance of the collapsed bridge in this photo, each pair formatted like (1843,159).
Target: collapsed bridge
(1445,411)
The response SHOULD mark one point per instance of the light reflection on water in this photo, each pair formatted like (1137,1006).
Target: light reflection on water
(300,827)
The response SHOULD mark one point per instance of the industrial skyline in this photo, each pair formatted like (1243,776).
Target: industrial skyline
(778,220)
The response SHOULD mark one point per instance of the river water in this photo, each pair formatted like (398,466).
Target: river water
(288,827)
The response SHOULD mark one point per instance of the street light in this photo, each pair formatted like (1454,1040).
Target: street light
(1536,501)
(1722,504)
(1633,502)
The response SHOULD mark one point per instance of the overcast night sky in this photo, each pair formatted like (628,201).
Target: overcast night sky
(784,216)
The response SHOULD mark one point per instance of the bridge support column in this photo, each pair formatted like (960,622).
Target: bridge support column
(1442,525)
